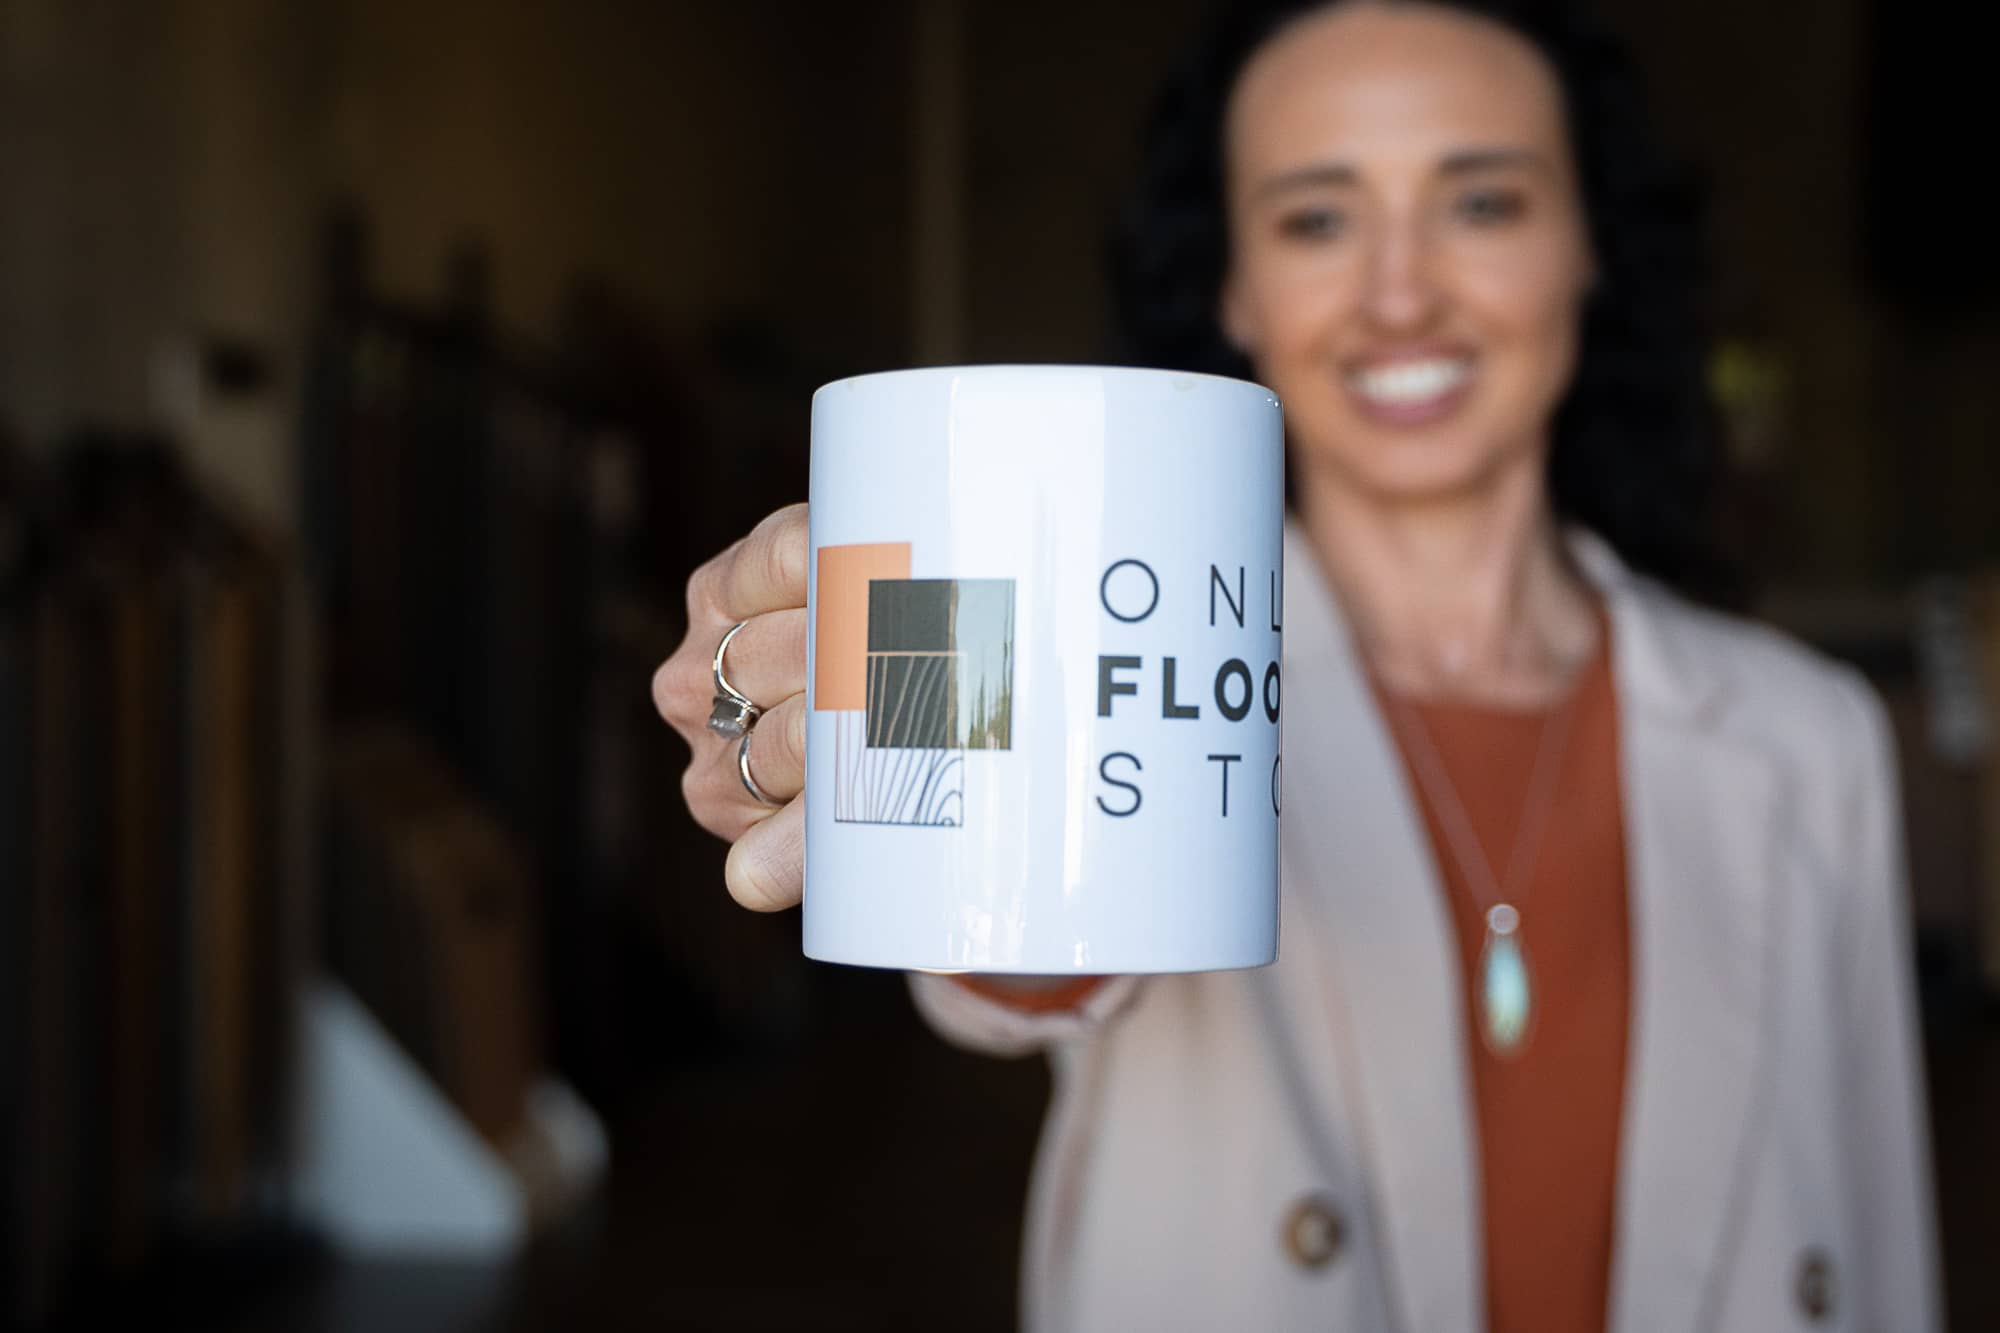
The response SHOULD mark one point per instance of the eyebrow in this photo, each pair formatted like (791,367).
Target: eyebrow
(1457,164)
(1480,159)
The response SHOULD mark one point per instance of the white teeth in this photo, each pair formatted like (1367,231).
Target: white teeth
(1411,381)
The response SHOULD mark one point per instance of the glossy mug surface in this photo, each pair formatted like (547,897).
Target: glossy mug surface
(1044,688)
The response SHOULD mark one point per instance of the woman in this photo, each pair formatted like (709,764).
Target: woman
(1594,1009)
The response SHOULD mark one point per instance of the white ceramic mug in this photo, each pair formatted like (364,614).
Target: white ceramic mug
(1043,671)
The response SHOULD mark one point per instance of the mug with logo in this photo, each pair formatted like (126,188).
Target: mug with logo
(1043,671)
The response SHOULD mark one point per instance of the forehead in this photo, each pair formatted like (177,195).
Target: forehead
(1365,80)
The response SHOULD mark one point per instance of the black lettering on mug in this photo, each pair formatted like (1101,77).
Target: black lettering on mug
(1104,591)
(1225,760)
(1215,580)
(1271,691)
(1104,771)
(1109,686)
(1234,669)
(1170,706)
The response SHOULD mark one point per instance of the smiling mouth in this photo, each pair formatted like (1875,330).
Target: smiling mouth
(1406,386)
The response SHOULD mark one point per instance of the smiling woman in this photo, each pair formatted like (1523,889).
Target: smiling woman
(1633,450)
(1411,293)
(1594,1009)
(1502,1061)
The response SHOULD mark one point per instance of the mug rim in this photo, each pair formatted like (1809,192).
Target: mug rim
(984,369)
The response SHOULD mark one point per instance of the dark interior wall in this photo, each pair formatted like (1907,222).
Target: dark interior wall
(1057,93)
(1763,99)
(160,167)
(704,158)
(1883,465)
(88,165)
(155,173)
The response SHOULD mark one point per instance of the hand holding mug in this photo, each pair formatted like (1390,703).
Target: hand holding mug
(1030,636)
(743,783)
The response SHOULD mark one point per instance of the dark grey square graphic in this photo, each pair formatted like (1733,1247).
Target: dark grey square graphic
(940,663)
(912,700)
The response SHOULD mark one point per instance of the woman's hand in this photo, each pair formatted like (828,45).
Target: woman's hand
(760,582)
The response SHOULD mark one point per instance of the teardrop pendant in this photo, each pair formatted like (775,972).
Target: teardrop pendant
(1505,998)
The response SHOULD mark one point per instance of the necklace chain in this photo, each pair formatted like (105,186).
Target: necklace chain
(1529,827)
(1506,991)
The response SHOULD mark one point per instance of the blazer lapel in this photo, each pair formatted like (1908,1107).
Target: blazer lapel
(1363,874)
(1702,865)
(1699,810)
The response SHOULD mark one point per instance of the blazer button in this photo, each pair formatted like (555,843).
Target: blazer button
(1314,1232)
(1815,1286)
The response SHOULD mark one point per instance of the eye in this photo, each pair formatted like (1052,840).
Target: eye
(1312,224)
(1491,207)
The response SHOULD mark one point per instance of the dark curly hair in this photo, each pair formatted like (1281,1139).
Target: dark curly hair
(1635,453)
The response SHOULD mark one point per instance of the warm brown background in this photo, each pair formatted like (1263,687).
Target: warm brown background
(779,193)
(772,160)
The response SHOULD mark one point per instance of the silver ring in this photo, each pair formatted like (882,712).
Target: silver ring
(732,714)
(743,771)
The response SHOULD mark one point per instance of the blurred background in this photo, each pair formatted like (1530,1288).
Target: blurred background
(373,374)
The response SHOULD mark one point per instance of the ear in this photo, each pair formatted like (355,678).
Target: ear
(1236,313)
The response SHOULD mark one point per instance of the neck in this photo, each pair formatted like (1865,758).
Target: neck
(1468,597)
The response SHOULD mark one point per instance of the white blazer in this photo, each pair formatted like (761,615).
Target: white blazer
(1774,1169)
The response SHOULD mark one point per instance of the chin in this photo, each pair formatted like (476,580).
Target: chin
(1409,470)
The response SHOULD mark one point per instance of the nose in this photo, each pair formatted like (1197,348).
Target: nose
(1402,294)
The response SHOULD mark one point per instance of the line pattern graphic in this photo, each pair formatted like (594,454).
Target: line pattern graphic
(903,785)
(936,678)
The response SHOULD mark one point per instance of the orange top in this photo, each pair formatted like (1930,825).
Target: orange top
(1059,995)
(1548,1115)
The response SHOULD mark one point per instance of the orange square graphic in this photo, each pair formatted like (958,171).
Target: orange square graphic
(840,644)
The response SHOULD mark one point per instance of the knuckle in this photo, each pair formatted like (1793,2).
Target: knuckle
(699,592)
(665,698)
(693,795)
(785,549)
(795,737)
(705,586)
(679,696)
(711,815)
(796,628)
